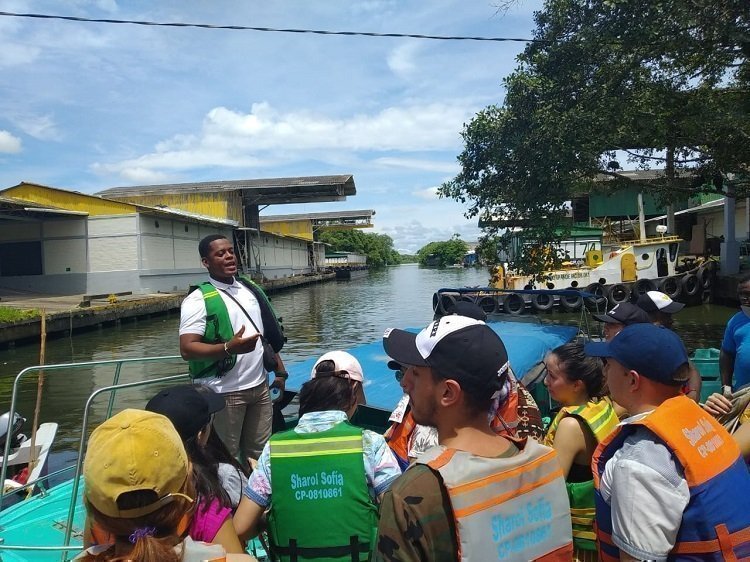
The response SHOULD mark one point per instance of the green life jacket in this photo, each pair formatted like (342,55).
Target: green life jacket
(321,507)
(219,328)
(601,419)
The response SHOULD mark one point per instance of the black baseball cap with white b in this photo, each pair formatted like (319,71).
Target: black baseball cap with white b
(456,347)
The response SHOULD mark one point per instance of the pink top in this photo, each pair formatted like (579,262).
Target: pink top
(207,522)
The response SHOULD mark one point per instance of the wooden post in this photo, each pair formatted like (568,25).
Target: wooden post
(39,389)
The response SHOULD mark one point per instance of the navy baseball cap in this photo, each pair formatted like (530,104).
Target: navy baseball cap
(652,351)
(624,313)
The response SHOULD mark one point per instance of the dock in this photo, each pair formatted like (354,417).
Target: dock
(66,314)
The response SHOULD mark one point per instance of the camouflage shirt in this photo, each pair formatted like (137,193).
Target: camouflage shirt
(416,518)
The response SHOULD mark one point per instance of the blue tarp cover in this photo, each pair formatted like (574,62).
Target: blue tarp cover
(527,344)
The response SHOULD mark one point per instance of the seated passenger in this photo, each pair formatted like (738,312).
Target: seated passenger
(138,490)
(670,482)
(320,480)
(191,409)
(660,309)
(478,495)
(513,412)
(619,316)
(576,381)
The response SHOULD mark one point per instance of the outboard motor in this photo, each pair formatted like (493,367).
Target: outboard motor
(11,430)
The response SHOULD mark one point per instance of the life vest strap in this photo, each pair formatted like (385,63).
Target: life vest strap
(724,543)
(353,549)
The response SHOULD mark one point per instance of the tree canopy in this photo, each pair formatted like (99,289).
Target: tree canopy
(443,253)
(666,82)
(377,247)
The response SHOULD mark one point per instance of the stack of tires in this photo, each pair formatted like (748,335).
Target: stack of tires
(691,287)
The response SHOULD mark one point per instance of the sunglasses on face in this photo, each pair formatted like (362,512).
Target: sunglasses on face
(399,374)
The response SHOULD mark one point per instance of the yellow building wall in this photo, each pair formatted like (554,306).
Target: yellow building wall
(300,229)
(221,204)
(68,200)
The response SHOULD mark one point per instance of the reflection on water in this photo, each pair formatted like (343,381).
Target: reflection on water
(317,318)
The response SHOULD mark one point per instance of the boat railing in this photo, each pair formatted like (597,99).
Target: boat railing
(112,390)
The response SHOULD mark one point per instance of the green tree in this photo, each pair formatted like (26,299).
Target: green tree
(665,81)
(377,247)
(443,253)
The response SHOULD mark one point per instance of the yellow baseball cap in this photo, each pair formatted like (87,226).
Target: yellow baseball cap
(134,450)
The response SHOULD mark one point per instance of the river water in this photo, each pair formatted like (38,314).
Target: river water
(317,318)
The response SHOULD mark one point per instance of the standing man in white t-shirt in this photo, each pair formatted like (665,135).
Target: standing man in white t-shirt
(220,328)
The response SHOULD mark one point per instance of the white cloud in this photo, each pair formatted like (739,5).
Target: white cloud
(411,236)
(419,164)
(265,136)
(145,176)
(14,54)
(40,127)
(107,6)
(401,60)
(430,193)
(9,143)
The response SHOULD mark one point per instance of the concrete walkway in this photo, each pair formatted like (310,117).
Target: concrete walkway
(67,313)
(59,303)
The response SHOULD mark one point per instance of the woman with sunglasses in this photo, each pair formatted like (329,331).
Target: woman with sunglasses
(321,481)
(576,382)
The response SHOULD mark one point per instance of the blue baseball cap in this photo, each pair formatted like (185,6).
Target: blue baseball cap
(652,351)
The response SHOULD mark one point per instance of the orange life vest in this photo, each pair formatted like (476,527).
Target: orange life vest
(716,522)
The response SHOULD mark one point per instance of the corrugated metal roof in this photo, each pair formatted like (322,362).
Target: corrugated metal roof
(159,210)
(14,205)
(333,215)
(645,175)
(260,191)
(163,209)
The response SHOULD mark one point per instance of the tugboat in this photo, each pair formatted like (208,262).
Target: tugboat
(605,278)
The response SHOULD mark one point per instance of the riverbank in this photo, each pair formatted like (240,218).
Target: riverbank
(66,314)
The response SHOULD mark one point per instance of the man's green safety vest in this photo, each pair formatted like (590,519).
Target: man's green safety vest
(321,507)
(219,328)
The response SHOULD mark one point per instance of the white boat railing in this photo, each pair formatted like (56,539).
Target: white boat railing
(112,389)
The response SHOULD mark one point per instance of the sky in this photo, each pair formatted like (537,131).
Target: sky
(89,106)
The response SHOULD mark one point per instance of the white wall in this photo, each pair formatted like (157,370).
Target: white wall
(64,256)
(113,243)
(64,248)
(715,221)
(281,256)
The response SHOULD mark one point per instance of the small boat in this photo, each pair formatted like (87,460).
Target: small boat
(24,460)
(706,361)
(50,526)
